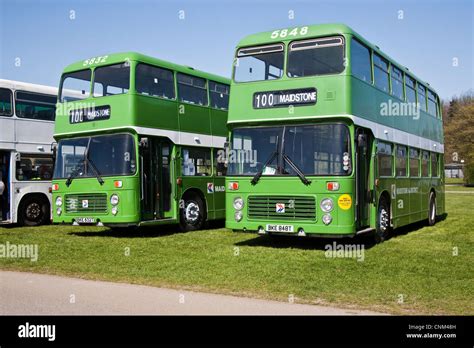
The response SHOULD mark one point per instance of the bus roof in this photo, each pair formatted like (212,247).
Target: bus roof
(134,56)
(30,87)
(319,30)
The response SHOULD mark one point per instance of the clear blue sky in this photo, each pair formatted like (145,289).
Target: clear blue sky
(44,37)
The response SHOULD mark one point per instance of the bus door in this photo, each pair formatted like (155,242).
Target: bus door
(155,176)
(363,144)
(4,185)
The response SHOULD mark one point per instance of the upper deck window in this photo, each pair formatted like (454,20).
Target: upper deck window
(397,83)
(410,89)
(316,57)
(154,81)
(111,80)
(6,98)
(360,61)
(381,72)
(219,94)
(75,86)
(259,63)
(192,89)
(432,104)
(35,106)
(422,96)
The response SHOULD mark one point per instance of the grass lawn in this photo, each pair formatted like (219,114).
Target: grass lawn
(454,181)
(459,188)
(416,264)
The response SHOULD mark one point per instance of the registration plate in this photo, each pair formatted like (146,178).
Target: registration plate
(85,220)
(279,228)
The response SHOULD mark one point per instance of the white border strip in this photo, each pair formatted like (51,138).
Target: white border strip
(179,138)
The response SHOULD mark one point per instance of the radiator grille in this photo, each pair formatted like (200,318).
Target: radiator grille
(86,203)
(295,207)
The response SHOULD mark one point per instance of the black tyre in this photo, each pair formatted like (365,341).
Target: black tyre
(33,211)
(383,221)
(192,214)
(432,210)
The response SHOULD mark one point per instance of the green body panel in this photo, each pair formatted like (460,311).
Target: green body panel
(340,97)
(343,220)
(140,115)
(128,207)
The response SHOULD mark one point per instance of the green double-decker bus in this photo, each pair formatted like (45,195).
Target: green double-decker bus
(137,143)
(329,136)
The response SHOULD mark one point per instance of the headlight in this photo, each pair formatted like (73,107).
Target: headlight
(114,210)
(114,199)
(327,218)
(59,201)
(59,211)
(238,216)
(238,203)
(327,205)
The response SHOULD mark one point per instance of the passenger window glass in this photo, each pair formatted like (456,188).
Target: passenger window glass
(154,81)
(6,98)
(425,161)
(384,157)
(75,85)
(381,72)
(34,168)
(219,94)
(414,163)
(401,161)
(196,162)
(360,60)
(192,89)
(432,104)
(35,106)
(410,89)
(220,162)
(434,165)
(111,80)
(422,97)
(259,63)
(316,57)
(397,83)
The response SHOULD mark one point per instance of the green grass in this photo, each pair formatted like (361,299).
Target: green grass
(417,262)
(459,188)
(454,181)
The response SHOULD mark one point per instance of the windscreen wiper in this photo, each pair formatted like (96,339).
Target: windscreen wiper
(74,173)
(95,170)
(257,176)
(296,169)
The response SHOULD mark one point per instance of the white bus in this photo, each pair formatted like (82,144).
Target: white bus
(27,114)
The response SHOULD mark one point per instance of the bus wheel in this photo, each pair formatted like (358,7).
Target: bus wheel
(432,210)
(383,221)
(33,211)
(192,215)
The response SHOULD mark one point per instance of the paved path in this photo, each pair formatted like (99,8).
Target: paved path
(36,294)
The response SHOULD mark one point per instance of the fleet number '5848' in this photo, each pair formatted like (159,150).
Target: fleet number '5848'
(282,33)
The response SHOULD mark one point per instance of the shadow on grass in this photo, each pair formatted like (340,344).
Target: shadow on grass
(319,243)
(142,232)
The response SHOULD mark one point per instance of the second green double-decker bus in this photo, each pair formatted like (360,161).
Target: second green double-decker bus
(330,137)
(137,143)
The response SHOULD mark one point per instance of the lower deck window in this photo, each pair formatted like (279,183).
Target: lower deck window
(34,168)
(196,162)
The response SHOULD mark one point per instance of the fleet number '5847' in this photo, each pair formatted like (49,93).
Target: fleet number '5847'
(282,33)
